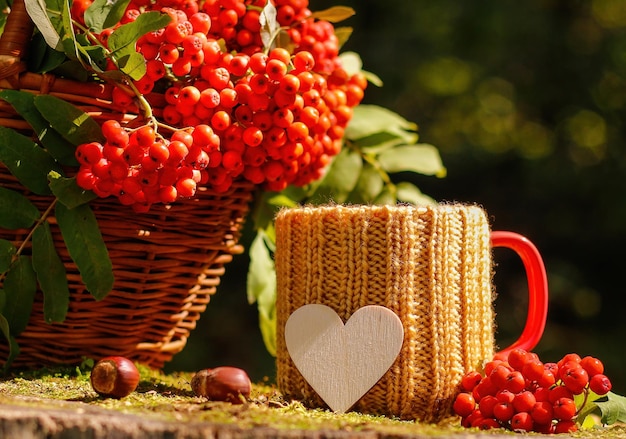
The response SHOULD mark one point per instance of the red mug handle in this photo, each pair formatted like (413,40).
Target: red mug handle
(537,287)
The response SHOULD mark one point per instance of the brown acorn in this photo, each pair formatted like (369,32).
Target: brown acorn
(222,384)
(114,377)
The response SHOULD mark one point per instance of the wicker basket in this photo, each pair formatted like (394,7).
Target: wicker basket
(167,263)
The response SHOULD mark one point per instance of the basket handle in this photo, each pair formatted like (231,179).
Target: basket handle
(14,40)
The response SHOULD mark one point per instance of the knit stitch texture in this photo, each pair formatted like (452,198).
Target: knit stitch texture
(431,265)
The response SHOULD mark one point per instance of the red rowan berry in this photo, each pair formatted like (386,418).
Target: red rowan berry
(486,405)
(168,194)
(474,416)
(522,421)
(186,187)
(144,136)
(303,61)
(499,375)
(220,120)
(159,152)
(259,101)
(259,83)
(169,53)
(85,179)
(533,370)
(592,365)
(239,64)
(297,132)
(567,426)
(515,382)
(258,62)
(121,98)
(575,379)
(254,174)
(564,409)
(600,384)
(228,97)
(567,358)
(188,96)
(89,153)
(254,157)
(470,380)
(218,77)
(275,69)
(201,22)
(231,160)
(253,136)
(181,67)
(503,411)
(262,120)
(280,54)
(524,401)
(175,32)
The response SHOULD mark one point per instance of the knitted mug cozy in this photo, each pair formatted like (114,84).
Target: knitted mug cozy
(430,265)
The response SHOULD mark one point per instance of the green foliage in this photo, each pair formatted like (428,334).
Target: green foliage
(54,22)
(610,408)
(51,275)
(84,242)
(38,167)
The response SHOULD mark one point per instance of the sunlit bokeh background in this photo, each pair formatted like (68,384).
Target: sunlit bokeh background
(527,103)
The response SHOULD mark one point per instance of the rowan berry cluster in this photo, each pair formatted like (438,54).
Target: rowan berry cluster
(521,393)
(277,116)
(142,169)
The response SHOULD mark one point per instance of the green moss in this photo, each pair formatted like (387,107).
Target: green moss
(169,397)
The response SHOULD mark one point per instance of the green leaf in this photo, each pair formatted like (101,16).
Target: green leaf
(122,40)
(377,143)
(72,69)
(334,14)
(269,25)
(343,34)
(103,14)
(26,160)
(372,119)
(261,287)
(409,193)
(51,275)
(68,192)
(20,286)
(7,252)
(55,144)
(351,62)
(372,78)
(95,56)
(16,211)
(613,408)
(341,178)
(369,185)
(133,64)
(386,197)
(86,247)
(68,37)
(421,158)
(13,347)
(41,57)
(37,11)
(72,123)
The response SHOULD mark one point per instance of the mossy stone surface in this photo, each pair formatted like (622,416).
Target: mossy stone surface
(59,403)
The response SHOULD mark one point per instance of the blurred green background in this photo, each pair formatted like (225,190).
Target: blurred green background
(526,101)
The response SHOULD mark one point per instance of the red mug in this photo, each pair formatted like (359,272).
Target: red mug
(537,287)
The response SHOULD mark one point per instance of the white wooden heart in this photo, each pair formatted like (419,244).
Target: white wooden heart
(342,362)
